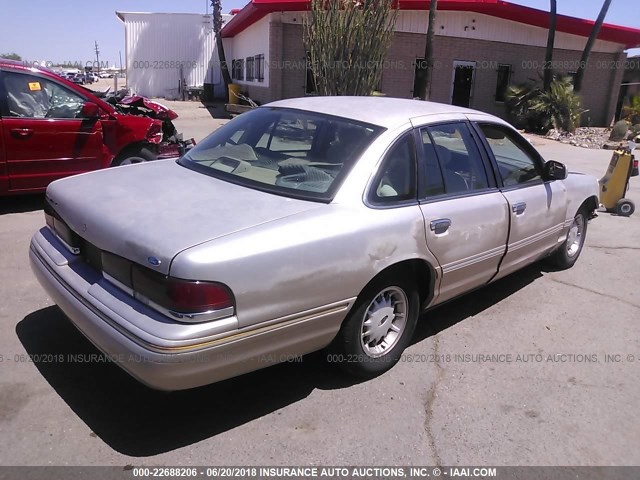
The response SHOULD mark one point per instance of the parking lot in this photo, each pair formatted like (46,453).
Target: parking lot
(540,368)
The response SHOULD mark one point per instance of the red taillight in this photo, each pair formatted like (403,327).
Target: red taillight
(180,296)
(187,297)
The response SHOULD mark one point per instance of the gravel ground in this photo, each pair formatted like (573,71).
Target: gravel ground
(584,137)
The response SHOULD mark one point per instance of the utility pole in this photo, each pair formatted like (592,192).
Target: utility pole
(97,56)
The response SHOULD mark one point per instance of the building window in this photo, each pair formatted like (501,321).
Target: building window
(504,77)
(237,69)
(259,66)
(310,87)
(250,69)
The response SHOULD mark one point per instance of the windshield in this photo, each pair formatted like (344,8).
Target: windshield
(289,152)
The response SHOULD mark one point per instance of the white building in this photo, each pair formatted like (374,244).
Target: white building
(161,49)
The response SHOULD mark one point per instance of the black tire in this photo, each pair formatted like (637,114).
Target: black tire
(348,349)
(625,207)
(565,257)
(134,156)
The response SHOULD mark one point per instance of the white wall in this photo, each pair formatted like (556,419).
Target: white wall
(157,43)
(248,43)
(495,29)
(486,28)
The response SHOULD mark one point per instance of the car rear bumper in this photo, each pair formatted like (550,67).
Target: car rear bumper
(171,357)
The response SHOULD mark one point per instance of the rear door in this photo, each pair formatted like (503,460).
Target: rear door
(537,208)
(44,134)
(466,217)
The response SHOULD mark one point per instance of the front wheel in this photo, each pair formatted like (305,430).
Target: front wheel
(137,156)
(567,255)
(378,329)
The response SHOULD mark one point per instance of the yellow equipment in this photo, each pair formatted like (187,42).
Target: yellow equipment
(615,183)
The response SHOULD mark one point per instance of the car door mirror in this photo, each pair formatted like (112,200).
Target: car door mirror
(555,170)
(90,110)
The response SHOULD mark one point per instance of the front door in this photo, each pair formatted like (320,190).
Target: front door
(466,217)
(463,75)
(44,134)
(537,208)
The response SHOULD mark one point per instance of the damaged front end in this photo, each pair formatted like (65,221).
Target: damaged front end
(172,143)
(163,134)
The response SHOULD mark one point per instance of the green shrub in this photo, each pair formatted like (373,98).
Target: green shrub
(537,110)
(632,111)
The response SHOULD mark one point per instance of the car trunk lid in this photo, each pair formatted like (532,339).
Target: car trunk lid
(148,213)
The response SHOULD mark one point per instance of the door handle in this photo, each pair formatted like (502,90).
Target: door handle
(440,226)
(519,208)
(22,132)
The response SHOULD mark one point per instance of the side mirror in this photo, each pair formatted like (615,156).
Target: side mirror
(554,170)
(90,110)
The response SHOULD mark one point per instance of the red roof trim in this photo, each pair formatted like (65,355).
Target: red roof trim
(629,37)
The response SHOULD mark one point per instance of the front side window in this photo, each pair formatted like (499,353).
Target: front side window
(516,165)
(459,158)
(396,180)
(289,152)
(30,96)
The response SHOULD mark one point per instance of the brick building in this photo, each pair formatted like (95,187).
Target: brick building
(481,46)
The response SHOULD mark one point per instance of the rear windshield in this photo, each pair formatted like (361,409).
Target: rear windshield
(284,151)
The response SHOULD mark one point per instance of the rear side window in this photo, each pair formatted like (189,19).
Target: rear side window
(396,181)
(460,160)
(30,96)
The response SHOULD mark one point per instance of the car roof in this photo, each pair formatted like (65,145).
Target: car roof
(23,66)
(382,111)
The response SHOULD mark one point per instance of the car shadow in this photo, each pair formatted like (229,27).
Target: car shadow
(448,314)
(21,204)
(138,421)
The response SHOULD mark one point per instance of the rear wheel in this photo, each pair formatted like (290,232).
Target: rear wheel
(378,329)
(134,156)
(568,253)
(625,208)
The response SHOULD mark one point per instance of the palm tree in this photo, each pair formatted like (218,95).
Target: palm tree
(548,57)
(217,29)
(424,86)
(587,49)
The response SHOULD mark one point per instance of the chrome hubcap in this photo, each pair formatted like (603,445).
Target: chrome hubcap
(384,322)
(574,239)
(626,208)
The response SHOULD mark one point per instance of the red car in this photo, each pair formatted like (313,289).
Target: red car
(51,128)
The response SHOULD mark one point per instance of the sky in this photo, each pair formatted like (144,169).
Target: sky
(65,30)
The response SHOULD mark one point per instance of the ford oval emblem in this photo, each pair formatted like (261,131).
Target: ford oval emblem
(153,261)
